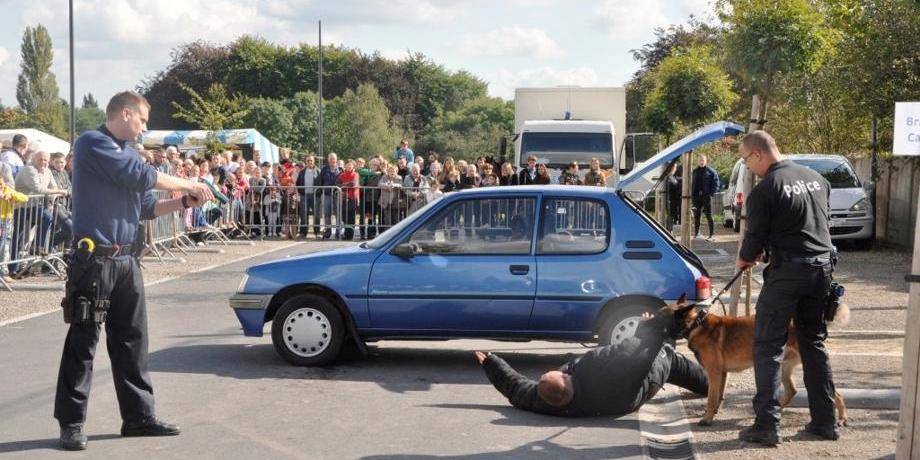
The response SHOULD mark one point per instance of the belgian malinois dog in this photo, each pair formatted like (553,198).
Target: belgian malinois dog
(724,344)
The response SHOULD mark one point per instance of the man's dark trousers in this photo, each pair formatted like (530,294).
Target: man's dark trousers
(126,340)
(793,290)
(702,204)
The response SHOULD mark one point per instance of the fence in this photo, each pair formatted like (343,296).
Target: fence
(896,189)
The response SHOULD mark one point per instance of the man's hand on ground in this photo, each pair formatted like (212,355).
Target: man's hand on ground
(480,356)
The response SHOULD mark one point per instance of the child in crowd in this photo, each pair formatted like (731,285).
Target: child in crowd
(9,198)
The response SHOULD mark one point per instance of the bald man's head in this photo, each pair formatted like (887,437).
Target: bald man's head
(556,388)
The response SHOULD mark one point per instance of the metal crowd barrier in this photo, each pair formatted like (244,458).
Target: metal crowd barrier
(35,237)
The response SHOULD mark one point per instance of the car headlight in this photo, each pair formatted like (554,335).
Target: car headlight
(860,206)
(242,287)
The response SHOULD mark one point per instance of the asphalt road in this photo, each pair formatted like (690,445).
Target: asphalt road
(235,398)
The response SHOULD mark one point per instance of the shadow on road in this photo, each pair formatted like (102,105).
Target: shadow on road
(50,443)
(517,417)
(544,448)
(395,369)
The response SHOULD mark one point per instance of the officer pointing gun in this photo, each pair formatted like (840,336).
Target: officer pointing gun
(788,220)
(112,192)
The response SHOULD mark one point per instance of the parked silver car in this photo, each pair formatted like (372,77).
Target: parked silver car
(852,216)
(733,198)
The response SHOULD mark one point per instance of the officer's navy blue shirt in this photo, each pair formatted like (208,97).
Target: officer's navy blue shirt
(112,189)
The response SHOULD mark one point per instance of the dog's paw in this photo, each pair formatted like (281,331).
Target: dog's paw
(704,422)
(843,422)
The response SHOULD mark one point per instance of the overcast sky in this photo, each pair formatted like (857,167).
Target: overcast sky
(508,43)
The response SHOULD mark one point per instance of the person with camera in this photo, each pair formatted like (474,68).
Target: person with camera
(112,192)
(788,224)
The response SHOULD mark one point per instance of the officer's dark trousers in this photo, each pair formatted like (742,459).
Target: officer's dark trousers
(126,340)
(792,291)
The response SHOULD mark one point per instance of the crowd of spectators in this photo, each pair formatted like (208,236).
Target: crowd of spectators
(286,199)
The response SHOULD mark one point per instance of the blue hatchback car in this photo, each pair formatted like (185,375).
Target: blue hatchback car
(561,263)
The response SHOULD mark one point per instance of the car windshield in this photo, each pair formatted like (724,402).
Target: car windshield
(384,237)
(837,172)
(559,149)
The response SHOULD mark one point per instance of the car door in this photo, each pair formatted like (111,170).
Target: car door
(473,270)
(572,257)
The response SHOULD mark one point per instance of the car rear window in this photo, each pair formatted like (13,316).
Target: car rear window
(573,226)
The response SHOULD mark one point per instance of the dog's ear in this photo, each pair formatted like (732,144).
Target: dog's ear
(681,303)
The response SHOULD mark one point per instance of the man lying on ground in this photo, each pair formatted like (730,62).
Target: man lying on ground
(613,380)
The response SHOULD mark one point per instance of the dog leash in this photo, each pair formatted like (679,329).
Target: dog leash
(730,283)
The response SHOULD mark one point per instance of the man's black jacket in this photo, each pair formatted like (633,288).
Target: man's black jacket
(612,380)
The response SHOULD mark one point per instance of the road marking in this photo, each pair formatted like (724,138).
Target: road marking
(162,280)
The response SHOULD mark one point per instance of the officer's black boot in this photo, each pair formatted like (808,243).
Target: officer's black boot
(73,438)
(761,435)
(149,426)
(828,432)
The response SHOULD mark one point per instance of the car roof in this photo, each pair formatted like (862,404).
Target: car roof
(549,188)
(815,156)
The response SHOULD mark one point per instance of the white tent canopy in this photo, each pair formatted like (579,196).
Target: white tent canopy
(185,140)
(38,140)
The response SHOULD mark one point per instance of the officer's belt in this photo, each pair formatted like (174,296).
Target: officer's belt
(807,260)
(113,251)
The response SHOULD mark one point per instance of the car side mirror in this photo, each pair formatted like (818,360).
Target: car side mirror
(405,250)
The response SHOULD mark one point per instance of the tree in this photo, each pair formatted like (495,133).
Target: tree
(690,88)
(304,110)
(36,88)
(213,111)
(358,124)
(271,118)
(88,118)
(89,101)
(472,130)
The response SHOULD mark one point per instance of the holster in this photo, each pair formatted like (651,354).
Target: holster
(88,288)
(832,301)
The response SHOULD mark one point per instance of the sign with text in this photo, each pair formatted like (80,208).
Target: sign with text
(907,128)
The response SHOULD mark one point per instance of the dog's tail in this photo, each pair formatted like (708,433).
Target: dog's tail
(842,318)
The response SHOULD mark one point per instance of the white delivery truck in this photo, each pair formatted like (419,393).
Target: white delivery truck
(569,123)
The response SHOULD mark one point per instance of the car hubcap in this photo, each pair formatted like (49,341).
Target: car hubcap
(307,332)
(624,329)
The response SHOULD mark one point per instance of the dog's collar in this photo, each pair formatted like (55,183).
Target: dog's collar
(701,314)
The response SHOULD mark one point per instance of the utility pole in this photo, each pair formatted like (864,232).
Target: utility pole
(685,200)
(73,126)
(319,121)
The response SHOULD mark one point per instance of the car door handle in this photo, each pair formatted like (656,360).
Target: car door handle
(519,269)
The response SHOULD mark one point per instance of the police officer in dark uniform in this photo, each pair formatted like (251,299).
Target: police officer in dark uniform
(788,214)
(112,191)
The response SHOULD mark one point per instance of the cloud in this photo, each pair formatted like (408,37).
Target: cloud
(510,41)
(622,19)
(375,12)
(507,80)
(4,55)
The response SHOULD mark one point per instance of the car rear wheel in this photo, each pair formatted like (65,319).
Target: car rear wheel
(308,331)
(621,322)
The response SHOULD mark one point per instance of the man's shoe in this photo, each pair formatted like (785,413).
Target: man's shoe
(73,438)
(149,426)
(760,435)
(827,432)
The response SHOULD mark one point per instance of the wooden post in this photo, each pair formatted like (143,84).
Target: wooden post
(685,200)
(757,113)
(908,432)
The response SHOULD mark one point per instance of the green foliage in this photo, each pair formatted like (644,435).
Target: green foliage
(87,118)
(14,117)
(767,38)
(304,108)
(36,87)
(472,130)
(270,117)
(89,101)
(357,124)
(691,88)
(213,111)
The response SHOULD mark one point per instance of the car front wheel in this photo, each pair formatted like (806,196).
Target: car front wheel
(308,331)
(621,322)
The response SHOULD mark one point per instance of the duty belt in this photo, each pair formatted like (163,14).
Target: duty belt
(116,250)
(808,260)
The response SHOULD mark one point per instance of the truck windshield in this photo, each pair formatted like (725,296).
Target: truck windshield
(558,149)
(837,172)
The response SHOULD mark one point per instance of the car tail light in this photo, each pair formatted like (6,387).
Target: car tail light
(739,199)
(703,288)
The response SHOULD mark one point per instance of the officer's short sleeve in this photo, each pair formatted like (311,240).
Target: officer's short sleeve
(148,204)
(119,167)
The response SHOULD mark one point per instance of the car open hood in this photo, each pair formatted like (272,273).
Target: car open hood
(642,178)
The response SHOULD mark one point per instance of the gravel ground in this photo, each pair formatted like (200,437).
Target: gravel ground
(39,294)
(877,296)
